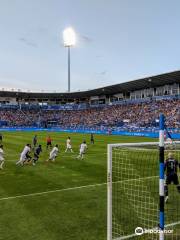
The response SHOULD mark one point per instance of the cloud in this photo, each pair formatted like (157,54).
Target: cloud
(28,43)
(103,72)
(86,39)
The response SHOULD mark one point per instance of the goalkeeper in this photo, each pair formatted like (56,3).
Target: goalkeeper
(171,171)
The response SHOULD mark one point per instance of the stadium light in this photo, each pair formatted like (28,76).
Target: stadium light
(69,38)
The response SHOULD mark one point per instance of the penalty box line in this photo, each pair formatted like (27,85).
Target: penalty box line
(52,191)
(135,235)
(69,189)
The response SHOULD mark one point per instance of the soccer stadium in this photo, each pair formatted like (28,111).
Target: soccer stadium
(89,120)
(48,200)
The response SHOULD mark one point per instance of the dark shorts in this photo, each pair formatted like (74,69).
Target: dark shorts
(173,178)
(49,144)
(36,156)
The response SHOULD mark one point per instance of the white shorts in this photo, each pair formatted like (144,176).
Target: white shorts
(1,159)
(81,152)
(52,156)
(22,157)
(68,146)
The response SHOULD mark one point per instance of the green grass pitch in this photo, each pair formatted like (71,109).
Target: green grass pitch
(55,201)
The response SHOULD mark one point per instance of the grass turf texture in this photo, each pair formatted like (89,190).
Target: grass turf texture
(78,214)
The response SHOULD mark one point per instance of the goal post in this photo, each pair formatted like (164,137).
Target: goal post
(109,200)
(135,198)
(161,176)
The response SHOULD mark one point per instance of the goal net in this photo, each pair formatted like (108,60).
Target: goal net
(133,192)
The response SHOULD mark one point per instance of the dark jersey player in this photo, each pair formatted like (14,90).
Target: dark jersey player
(34,141)
(171,171)
(1,138)
(37,152)
(92,138)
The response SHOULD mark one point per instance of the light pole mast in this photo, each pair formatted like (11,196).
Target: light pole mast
(69,41)
(69,68)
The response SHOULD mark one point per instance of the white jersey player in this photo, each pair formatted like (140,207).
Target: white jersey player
(24,155)
(82,150)
(68,145)
(1,157)
(53,154)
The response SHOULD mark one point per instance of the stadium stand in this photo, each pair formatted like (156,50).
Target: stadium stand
(119,115)
(130,105)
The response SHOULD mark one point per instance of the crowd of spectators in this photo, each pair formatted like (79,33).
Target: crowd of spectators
(137,115)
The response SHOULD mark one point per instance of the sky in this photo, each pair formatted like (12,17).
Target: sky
(117,41)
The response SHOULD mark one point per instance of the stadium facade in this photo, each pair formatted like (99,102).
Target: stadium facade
(163,85)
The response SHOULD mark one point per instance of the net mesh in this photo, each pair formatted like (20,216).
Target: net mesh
(135,192)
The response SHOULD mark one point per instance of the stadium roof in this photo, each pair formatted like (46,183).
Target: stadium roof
(148,82)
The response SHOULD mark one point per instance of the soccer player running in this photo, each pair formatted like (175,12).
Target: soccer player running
(37,152)
(171,171)
(82,150)
(24,155)
(34,141)
(53,154)
(48,142)
(1,157)
(1,138)
(68,145)
(92,138)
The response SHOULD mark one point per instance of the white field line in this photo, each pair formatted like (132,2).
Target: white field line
(172,224)
(52,191)
(126,237)
(69,189)
(134,235)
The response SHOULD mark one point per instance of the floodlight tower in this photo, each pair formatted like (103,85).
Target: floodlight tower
(69,38)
